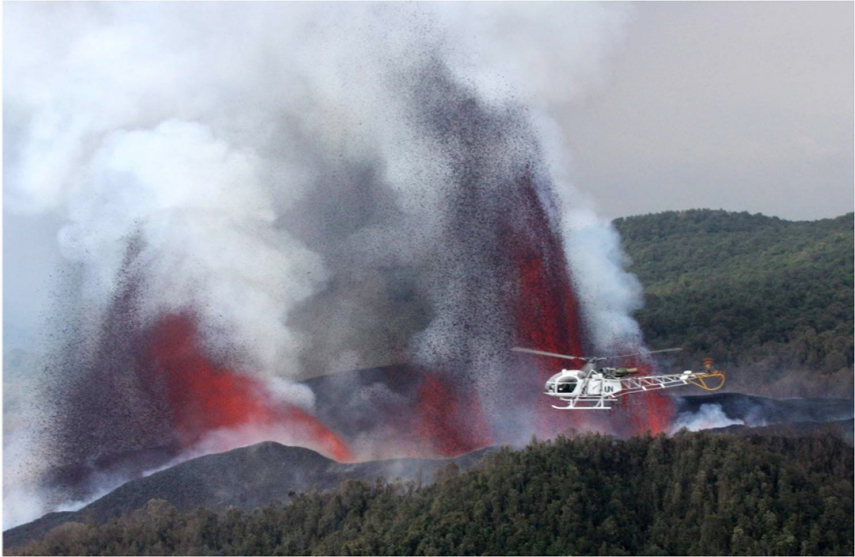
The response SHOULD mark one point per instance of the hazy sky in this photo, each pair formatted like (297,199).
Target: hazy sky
(741,106)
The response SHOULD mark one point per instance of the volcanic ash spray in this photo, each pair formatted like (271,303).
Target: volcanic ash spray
(252,199)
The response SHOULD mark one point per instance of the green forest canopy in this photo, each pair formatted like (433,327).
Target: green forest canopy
(757,292)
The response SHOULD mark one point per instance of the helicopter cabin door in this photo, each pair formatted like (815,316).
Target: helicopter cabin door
(598,386)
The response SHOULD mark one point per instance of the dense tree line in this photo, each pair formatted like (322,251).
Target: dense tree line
(770,297)
(694,494)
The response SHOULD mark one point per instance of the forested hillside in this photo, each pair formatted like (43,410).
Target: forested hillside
(693,494)
(770,298)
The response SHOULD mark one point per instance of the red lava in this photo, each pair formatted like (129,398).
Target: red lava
(653,411)
(204,397)
(449,420)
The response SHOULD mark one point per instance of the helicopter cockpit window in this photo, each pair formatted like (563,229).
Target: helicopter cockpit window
(565,385)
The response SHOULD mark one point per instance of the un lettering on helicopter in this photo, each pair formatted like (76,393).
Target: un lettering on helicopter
(594,388)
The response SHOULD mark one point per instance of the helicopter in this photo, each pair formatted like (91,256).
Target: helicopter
(592,388)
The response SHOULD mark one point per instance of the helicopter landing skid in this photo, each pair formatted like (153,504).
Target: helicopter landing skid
(598,403)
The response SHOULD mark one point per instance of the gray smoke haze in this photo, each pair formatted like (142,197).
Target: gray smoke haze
(272,165)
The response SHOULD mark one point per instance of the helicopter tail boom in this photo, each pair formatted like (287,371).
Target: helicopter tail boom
(658,382)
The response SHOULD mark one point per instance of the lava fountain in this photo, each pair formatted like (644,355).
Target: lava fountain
(495,275)
(204,397)
(377,203)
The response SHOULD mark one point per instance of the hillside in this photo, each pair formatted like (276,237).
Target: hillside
(768,297)
(693,494)
(244,478)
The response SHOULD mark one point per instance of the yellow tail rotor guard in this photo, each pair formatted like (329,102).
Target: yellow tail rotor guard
(700,380)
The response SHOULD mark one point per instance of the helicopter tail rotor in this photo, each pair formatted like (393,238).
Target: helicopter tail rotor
(700,380)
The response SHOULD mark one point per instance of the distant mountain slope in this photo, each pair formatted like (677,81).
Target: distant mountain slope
(245,478)
(761,411)
(769,296)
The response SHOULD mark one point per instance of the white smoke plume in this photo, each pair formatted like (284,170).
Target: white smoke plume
(173,122)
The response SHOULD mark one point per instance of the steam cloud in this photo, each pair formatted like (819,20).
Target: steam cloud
(319,185)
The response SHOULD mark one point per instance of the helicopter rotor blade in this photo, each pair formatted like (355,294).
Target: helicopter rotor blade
(645,353)
(542,353)
(591,358)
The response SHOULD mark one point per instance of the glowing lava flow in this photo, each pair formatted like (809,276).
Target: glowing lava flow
(205,397)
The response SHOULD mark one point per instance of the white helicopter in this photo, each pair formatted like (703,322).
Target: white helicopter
(590,388)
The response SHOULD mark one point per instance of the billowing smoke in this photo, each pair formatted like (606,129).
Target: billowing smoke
(258,194)
(708,416)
